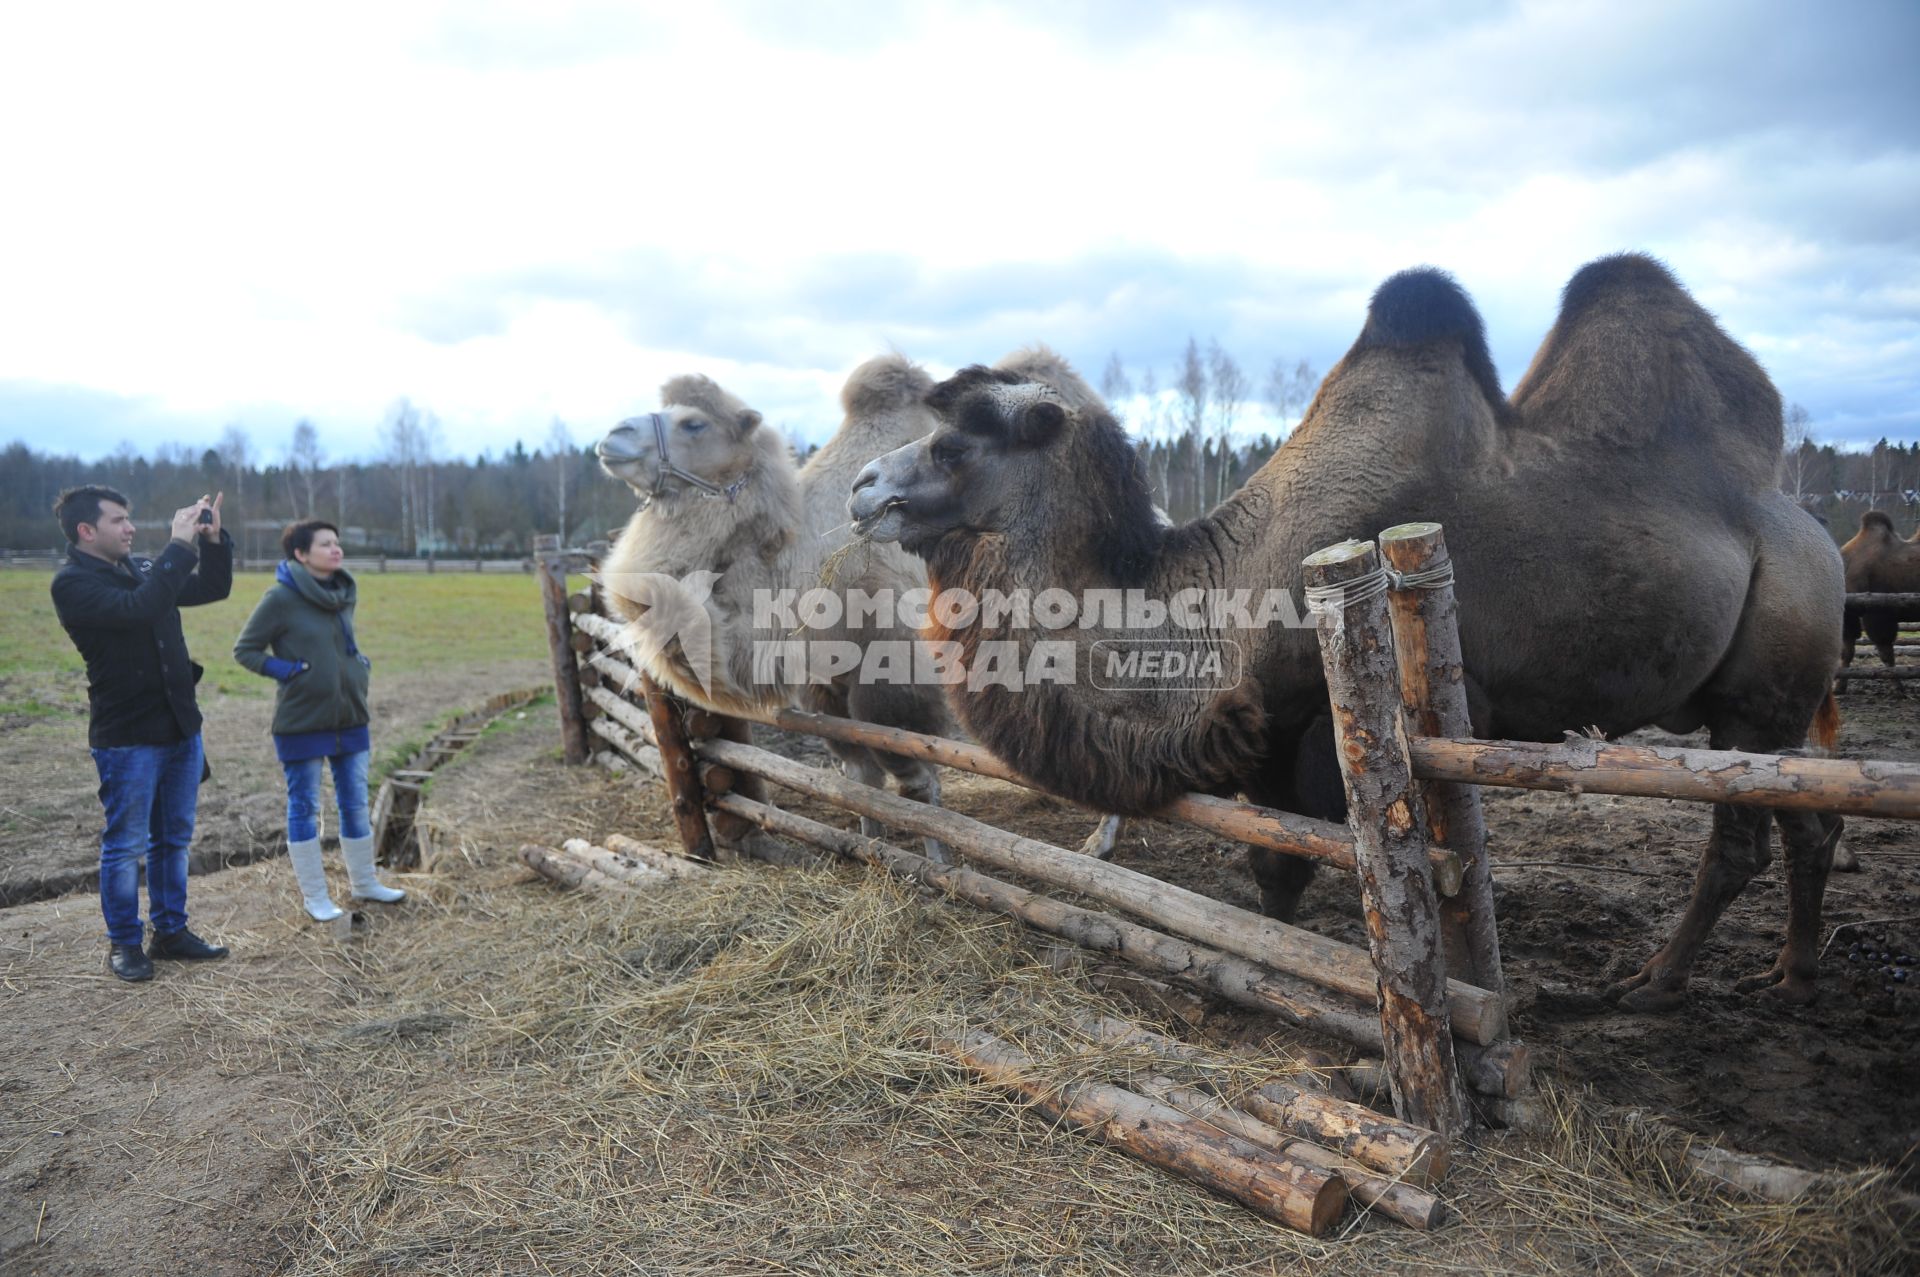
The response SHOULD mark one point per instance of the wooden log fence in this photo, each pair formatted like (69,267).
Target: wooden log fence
(1428,994)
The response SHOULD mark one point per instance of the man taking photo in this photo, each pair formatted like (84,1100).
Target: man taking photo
(123,613)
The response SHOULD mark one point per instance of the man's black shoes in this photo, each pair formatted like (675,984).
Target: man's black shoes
(182,946)
(127,962)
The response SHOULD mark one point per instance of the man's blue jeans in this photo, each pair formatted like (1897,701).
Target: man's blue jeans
(349,793)
(150,793)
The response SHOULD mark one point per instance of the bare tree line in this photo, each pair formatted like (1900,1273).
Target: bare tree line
(412,500)
(1189,436)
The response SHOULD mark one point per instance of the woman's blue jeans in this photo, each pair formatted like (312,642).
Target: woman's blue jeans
(150,793)
(349,794)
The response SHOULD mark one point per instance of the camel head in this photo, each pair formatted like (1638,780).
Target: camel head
(1005,448)
(703,439)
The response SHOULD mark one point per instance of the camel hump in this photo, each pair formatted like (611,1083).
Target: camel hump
(1425,305)
(885,383)
(1042,363)
(1633,360)
(1877,521)
(1605,280)
(696,390)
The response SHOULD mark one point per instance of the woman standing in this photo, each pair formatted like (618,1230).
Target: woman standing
(301,635)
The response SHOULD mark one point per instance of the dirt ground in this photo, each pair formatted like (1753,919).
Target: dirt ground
(154,1128)
(1586,887)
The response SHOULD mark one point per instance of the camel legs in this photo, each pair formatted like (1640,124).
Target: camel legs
(1810,839)
(857,763)
(917,709)
(1737,850)
(915,780)
(730,830)
(736,832)
(920,782)
(1304,777)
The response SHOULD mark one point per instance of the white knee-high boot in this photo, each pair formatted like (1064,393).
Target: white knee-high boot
(311,874)
(361,878)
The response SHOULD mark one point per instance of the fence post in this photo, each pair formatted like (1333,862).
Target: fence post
(552,566)
(1346,591)
(683,775)
(1433,692)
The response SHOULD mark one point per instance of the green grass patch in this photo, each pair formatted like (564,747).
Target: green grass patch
(404,623)
(32,707)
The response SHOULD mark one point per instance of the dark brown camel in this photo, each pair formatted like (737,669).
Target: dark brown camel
(1878,562)
(1623,555)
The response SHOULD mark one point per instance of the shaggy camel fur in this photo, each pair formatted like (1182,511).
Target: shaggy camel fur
(778,532)
(775,533)
(1878,562)
(1639,428)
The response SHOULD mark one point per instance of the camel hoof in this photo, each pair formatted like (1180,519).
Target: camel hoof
(1650,998)
(939,853)
(1793,993)
(1101,842)
(1789,990)
(1844,861)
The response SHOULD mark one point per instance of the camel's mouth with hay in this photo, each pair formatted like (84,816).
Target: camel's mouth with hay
(863,527)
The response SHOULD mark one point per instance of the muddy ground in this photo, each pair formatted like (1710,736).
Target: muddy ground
(153,1128)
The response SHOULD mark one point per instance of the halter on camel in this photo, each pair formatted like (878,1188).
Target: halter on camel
(665,469)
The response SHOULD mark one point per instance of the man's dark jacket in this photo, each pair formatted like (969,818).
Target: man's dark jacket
(125,619)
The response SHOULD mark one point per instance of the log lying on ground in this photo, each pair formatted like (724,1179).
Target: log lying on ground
(1406,1203)
(668,860)
(1475,1014)
(1401,1151)
(1306,1198)
(1699,775)
(572,867)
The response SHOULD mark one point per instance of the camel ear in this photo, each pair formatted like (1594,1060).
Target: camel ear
(748,420)
(1040,422)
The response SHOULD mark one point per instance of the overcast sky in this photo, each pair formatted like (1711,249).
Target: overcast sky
(513,212)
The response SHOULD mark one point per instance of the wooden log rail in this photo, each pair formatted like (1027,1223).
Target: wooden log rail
(1477,1014)
(1905,607)
(1581,765)
(1280,831)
